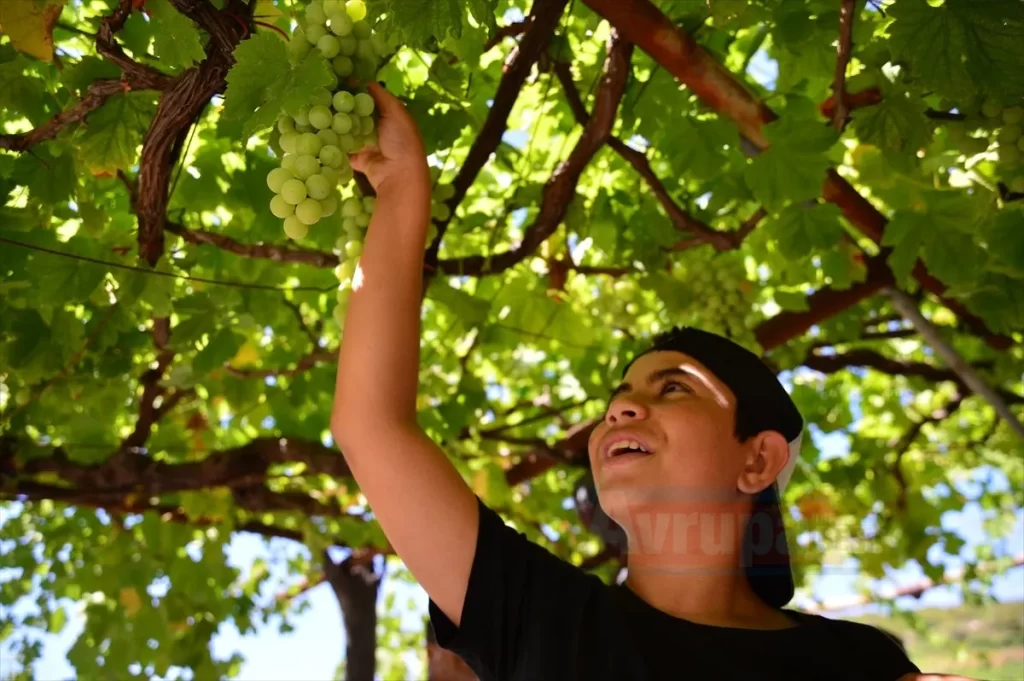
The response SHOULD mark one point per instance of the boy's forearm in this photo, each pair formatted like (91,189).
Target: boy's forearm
(378,363)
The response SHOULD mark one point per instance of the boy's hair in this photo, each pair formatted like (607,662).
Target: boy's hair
(735,366)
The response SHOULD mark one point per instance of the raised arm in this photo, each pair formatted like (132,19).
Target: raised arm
(424,507)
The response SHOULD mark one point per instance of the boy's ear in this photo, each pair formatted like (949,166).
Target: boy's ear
(767,454)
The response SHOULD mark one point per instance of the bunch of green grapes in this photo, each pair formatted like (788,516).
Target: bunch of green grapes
(356,211)
(999,124)
(723,295)
(316,141)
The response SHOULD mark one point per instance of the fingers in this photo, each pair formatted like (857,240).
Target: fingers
(387,103)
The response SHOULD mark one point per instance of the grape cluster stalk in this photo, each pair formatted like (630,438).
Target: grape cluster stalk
(315,178)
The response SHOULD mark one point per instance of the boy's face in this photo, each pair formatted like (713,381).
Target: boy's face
(684,416)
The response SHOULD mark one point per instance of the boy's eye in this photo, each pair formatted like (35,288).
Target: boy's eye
(674,384)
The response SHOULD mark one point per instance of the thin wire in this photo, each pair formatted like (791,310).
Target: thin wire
(142,270)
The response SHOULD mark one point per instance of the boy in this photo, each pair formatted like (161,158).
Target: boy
(699,429)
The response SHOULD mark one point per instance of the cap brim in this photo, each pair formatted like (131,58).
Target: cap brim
(766,550)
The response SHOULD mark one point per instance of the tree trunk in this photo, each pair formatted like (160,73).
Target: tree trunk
(356,586)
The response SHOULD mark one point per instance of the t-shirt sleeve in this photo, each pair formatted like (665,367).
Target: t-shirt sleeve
(881,650)
(519,596)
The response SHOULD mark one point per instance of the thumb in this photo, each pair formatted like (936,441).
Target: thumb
(386,102)
(363,160)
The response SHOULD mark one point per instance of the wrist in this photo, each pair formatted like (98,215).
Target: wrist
(412,182)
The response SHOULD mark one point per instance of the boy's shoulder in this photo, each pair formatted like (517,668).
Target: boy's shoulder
(864,636)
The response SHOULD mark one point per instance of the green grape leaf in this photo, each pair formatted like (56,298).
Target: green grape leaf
(1005,236)
(484,13)
(29,25)
(802,230)
(114,131)
(291,92)
(906,233)
(49,174)
(259,60)
(468,308)
(415,22)
(176,43)
(961,46)
(793,167)
(21,93)
(222,346)
(78,76)
(897,123)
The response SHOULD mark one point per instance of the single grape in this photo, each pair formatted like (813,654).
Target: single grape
(1013,115)
(281,208)
(328,46)
(991,108)
(366,125)
(314,32)
(343,66)
(361,29)
(303,128)
(308,144)
(343,101)
(341,24)
(1009,156)
(363,220)
(364,50)
(299,46)
(322,97)
(288,141)
(294,228)
(318,187)
(285,124)
(445,191)
(366,70)
(293,191)
(302,117)
(345,270)
(315,13)
(320,117)
(349,45)
(356,9)
(330,204)
(440,211)
(346,175)
(351,207)
(364,104)
(1009,134)
(435,174)
(380,46)
(369,204)
(347,143)
(354,249)
(276,179)
(288,162)
(331,156)
(332,7)
(339,314)
(344,294)
(331,174)
(341,123)
(349,224)
(309,211)
(306,166)
(328,138)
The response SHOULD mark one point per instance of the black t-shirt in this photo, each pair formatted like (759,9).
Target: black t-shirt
(530,616)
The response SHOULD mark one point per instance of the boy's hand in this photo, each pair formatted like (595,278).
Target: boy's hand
(398,162)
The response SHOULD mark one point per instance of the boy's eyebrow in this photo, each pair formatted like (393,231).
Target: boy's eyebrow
(682,370)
